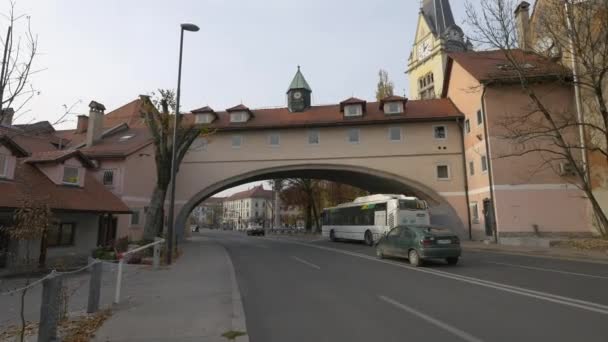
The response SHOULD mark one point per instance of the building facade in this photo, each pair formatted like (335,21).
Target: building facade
(253,206)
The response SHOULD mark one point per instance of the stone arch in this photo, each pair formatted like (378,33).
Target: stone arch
(374,180)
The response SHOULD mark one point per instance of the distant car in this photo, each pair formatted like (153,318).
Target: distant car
(418,243)
(194,228)
(255,229)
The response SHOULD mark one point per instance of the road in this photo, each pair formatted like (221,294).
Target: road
(323,291)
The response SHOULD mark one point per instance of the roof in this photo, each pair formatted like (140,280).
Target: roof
(330,115)
(58,156)
(351,101)
(299,82)
(493,65)
(202,110)
(13,146)
(31,142)
(255,192)
(392,98)
(237,108)
(439,15)
(93,197)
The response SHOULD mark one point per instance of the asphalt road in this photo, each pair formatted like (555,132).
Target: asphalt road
(323,291)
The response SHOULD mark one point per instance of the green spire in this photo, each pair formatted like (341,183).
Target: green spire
(299,82)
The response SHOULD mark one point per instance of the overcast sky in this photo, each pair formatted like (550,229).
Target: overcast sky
(246,51)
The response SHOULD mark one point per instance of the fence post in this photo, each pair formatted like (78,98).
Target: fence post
(156,255)
(50,308)
(118,281)
(94,287)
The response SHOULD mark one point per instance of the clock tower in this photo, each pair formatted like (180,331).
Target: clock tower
(299,93)
(436,35)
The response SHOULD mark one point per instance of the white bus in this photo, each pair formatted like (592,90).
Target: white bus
(368,218)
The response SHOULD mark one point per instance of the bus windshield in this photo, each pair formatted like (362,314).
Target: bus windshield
(412,204)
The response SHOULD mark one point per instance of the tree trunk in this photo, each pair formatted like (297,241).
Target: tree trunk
(314,212)
(308,217)
(155,214)
(43,248)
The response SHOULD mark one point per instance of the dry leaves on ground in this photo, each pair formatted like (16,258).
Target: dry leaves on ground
(600,245)
(82,329)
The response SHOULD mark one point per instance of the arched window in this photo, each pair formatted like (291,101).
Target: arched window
(426,89)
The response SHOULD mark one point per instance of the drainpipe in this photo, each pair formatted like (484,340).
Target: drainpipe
(577,93)
(466,178)
(489,161)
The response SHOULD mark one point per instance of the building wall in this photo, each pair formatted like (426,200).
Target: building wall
(54,171)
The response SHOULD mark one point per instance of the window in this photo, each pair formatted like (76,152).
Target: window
(108,177)
(134,217)
(393,108)
(238,117)
(474,212)
(60,234)
(426,85)
(353,136)
(204,118)
(472,168)
(274,139)
(3,166)
(467,126)
(484,164)
(353,110)
(394,133)
(70,175)
(479,118)
(314,137)
(237,140)
(443,172)
(440,132)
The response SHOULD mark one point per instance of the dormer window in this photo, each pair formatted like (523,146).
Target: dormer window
(206,118)
(393,105)
(70,175)
(238,117)
(353,110)
(3,166)
(239,114)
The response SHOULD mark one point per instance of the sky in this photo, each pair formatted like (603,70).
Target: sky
(246,52)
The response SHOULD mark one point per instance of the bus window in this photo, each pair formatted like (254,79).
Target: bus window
(411,204)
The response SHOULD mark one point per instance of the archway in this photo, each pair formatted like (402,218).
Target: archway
(375,181)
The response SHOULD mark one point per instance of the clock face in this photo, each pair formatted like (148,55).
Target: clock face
(424,49)
(297,95)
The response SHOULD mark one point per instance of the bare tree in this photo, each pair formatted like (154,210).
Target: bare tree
(304,192)
(553,135)
(18,55)
(385,86)
(160,124)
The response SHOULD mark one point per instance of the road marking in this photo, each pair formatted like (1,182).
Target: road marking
(547,270)
(572,302)
(306,262)
(455,331)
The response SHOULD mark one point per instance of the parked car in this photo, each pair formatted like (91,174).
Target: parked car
(418,243)
(255,229)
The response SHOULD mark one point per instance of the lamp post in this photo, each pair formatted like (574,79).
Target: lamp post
(170,227)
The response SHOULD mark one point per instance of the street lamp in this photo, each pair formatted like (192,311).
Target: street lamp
(170,230)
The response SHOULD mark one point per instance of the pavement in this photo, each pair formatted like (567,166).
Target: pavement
(196,299)
(322,291)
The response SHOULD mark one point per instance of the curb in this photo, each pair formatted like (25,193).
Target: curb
(238,313)
(591,260)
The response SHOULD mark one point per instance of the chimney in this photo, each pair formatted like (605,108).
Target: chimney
(95,123)
(83,124)
(7,117)
(522,20)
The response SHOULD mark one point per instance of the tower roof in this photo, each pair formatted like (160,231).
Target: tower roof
(299,82)
(439,15)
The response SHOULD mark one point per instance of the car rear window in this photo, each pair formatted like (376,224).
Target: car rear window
(433,230)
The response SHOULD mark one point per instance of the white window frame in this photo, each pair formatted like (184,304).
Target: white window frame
(278,136)
(232,141)
(445,131)
(242,117)
(484,163)
(204,118)
(358,131)
(77,175)
(318,133)
(358,110)
(390,136)
(4,166)
(389,110)
(437,166)
(474,213)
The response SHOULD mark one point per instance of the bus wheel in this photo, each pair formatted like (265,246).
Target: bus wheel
(369,240)
(332,236)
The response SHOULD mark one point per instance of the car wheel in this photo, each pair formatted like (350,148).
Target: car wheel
(332,236)
(369,240)
(452,260)
(379,253)
(414,258)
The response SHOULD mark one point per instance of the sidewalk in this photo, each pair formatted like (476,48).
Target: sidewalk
(197,299)
(551,252)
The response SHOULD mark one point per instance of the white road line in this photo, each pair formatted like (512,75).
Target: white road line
(572,302)
(306,262)
(455,331)
(547,270)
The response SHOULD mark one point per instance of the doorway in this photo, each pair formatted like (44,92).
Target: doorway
(488,215)
(107,230)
